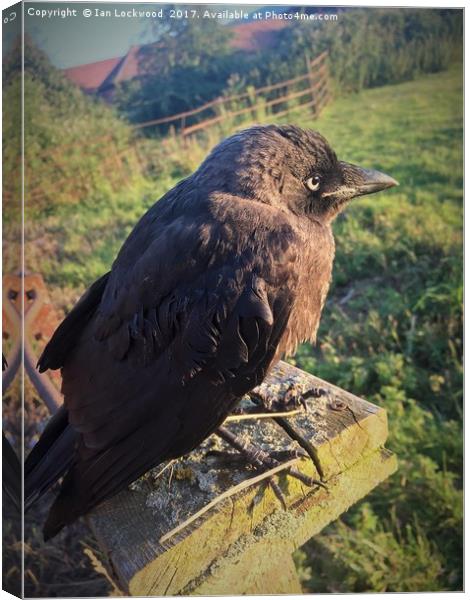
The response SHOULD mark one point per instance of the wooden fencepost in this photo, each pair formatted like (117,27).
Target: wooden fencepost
(311,83)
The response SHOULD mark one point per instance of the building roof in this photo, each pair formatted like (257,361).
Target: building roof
(249,37)
(90,77)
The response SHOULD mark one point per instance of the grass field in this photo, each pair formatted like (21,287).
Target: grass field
(391,331)
(398,272)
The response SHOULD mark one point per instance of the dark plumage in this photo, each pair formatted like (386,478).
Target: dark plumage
(223,275)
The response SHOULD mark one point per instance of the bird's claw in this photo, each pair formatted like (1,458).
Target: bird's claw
(262,460)
(292,399)
(238,458)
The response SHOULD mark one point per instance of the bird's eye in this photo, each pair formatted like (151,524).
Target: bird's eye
(313,183)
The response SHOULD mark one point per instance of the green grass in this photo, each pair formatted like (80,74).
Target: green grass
(391,330)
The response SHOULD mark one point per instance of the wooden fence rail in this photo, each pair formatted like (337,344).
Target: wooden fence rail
(316,79)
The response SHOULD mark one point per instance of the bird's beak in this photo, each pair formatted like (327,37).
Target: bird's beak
(366,181)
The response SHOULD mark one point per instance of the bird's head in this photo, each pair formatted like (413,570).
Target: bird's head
(292,168)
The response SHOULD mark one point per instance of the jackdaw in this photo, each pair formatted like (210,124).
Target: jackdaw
(225,274)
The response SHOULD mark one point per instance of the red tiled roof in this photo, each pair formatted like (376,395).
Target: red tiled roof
(252,36)
(91,76)
(130,65)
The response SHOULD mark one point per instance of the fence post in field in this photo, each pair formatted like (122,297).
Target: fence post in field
(311,84)
(182,133)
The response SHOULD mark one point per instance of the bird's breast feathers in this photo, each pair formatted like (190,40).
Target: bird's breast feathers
(291,251)
(315,264)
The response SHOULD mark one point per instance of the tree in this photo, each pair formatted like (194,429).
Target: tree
(184,43)
(189,63)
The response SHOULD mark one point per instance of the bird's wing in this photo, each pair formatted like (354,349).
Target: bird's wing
(186,325)
(175,409)
(67,334)
(183,311)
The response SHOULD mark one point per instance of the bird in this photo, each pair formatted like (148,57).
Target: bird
(221,277)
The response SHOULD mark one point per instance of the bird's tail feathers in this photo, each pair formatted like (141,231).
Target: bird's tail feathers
(50,458)
(63,510)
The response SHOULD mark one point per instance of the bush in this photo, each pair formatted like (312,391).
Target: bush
(374,47)
(74,145)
